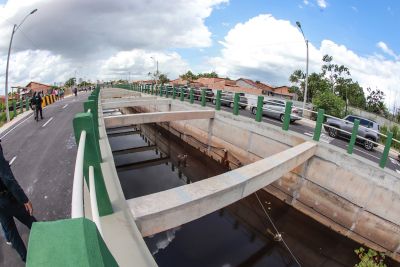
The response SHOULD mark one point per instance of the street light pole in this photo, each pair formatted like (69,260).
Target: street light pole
(306,87)
(15,28)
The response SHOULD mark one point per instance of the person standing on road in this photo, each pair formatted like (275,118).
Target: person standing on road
(13,203)
(37,101)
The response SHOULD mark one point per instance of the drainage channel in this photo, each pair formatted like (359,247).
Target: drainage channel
(149,159)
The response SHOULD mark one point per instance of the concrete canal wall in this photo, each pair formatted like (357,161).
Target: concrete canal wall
(344,192)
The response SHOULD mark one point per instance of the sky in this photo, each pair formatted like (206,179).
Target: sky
(256,39)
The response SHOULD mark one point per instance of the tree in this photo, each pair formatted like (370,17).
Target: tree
(163,78)
(70,82)
(375,102)
(331,103)
(212,74)
(188,76)
(335,73)
(316,84)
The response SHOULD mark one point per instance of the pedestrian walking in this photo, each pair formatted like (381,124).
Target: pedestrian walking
(37,103)
(75,91)
(13,203)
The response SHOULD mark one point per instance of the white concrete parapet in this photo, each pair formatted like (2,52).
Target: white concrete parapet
(133,119)
(164,210)
(134,103)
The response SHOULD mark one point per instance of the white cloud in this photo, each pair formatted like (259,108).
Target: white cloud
(387,50)
(71,35)
(273,55)
(306,2)
(322,4)
(139,63)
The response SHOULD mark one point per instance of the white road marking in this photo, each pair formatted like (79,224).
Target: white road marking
(44,125)
(395,162)
(65,106)
(362,151)
(12,129)
(397,171)
(12,160)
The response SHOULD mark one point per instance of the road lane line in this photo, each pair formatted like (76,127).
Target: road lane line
(12,160)
(12,129)
(65,106)
(44,125)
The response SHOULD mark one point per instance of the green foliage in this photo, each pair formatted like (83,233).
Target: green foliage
(370,258)
(190,76)
(163,78)
(375,102)
(212,74)
(332,104)
(70,82)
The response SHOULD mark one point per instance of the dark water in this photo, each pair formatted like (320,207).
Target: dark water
(238,235)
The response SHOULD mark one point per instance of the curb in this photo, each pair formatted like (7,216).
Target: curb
(19,117)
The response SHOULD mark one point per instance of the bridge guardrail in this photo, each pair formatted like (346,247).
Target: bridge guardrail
(188,93)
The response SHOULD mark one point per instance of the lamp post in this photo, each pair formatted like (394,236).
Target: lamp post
(306,88)
(15,28)
(157,69)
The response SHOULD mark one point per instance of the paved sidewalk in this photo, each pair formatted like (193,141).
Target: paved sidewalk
(14,121)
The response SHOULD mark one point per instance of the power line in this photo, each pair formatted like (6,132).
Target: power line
(276,229)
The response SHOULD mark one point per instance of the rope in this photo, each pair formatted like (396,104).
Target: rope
(273,225)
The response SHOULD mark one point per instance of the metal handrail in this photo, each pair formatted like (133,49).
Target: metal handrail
(77,189)
(93,200)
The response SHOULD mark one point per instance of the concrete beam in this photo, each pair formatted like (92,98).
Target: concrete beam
(142,164)
(133,150)
(141,118)
(168,209)
(135,102)
(127,98)
(118,93)
(116,134)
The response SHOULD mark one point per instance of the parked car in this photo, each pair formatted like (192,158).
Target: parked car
(228,97)
(209,94)
(368,129)
(275,108)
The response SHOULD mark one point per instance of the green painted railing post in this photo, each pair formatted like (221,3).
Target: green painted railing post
(386,150)
(353,136)
(203,97)
(166,91)
(191,96)
(318,126)
(286,120)
(173,93)
(27,104)
(92,157)
(182,96)
(15,108)
(152,89)
(21,106)
(236,99)
(218,100)
(260,105)
(161,90)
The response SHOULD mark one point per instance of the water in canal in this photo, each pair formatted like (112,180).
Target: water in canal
(238,235)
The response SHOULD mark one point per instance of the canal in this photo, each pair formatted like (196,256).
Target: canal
(149,159)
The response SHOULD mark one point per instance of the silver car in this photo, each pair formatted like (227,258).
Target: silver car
(228,97)
(275,108)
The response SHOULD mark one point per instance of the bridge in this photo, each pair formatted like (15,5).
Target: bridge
(344,191)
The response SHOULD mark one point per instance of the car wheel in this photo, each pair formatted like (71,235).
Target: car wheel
(243,107)
(282,117)
(368,145)
(332,132)
(254,110)
(231,105)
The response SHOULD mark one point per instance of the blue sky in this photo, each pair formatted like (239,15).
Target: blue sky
(357,24)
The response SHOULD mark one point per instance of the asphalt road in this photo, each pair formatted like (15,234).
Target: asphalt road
(43,155)
(374,155)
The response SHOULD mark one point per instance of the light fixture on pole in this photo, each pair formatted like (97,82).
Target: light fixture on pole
(15,28)
(306,87)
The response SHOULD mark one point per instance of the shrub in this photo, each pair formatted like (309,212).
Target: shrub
(370,258)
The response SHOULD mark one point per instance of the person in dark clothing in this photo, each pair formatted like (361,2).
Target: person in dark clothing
(13,203)
(37,101)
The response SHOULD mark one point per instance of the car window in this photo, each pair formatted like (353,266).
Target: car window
(350,118)
(365,123)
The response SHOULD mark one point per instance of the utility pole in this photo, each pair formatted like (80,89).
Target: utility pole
(306,87)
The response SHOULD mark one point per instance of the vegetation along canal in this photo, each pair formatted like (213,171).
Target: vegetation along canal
(238,235)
